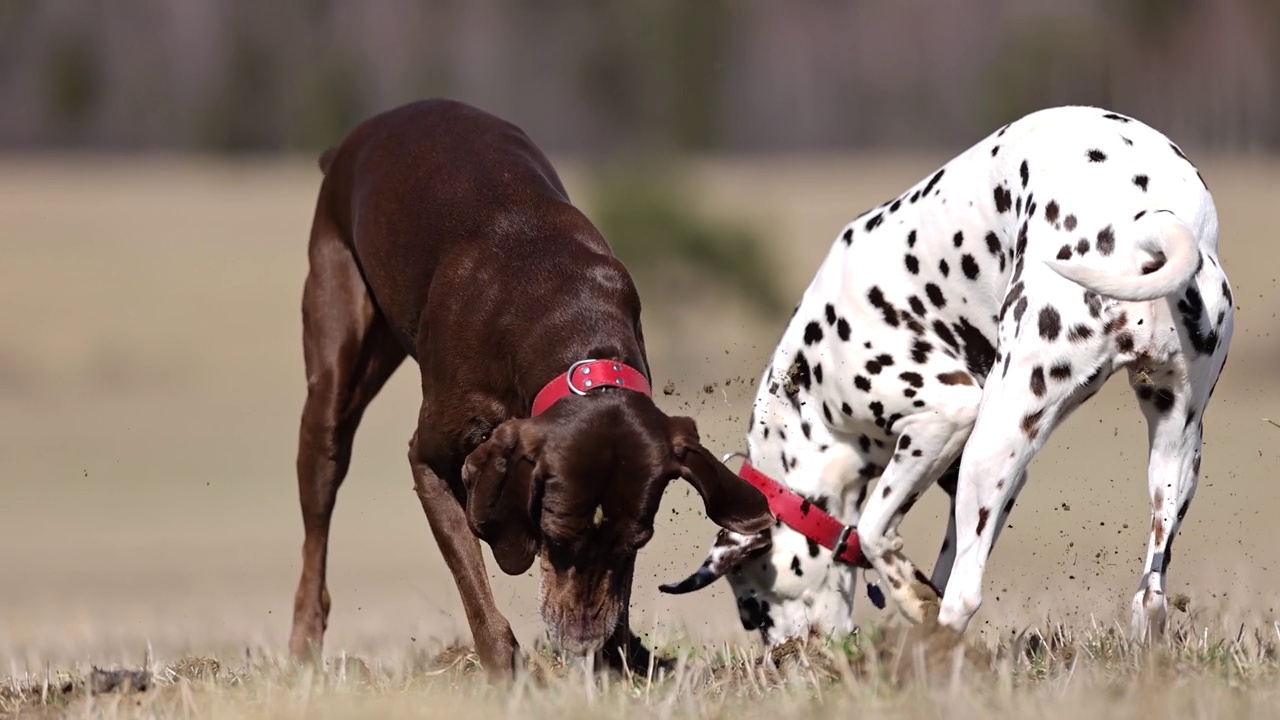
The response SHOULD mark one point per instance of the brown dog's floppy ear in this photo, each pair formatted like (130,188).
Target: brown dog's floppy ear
(731,502)
(500,477)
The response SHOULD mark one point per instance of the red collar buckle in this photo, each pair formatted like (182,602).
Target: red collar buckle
(803,516)
(586,375)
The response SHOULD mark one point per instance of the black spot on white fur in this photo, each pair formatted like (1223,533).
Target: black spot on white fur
(876,297)
(1050,323)
(1038,386)
(1191,307)
(920,351)
(1106,243)
(1093,303)
(1004,199)
(812,333)
(993,244)
(933,181)
(935,296)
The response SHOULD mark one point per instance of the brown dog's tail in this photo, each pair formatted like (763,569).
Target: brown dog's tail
(326,159)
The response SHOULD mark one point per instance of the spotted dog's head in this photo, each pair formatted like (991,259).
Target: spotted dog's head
(791,588)
(784,584)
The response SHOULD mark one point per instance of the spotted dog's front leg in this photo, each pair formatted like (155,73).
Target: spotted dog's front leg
(928,443)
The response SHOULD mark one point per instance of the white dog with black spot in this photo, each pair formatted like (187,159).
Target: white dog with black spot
(945,336)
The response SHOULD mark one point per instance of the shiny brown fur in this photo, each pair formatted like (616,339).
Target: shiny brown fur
(442,233)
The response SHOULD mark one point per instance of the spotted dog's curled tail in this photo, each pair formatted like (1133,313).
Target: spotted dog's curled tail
(1176,259)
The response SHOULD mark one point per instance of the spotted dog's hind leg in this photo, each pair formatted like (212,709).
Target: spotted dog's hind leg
(1173,397)
(1174,432)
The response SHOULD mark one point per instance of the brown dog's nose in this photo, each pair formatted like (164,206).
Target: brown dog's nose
(580,645)
(581,628)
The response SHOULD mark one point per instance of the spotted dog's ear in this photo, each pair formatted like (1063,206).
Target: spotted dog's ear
(731,502)
(729,549)
(501,477)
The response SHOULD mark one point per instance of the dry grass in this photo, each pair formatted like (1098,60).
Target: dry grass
(1065,672)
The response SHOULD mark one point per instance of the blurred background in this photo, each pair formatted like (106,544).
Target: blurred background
(157,179)
(240,76)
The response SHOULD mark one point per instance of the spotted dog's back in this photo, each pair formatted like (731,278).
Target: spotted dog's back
(966,292)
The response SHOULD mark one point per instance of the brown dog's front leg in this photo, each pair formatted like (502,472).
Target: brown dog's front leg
(496,644)
(624,651)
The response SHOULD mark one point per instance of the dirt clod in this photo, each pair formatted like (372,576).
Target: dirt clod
(196,668)
(789,382)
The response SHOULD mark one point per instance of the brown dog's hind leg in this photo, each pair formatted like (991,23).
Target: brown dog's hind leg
(349,353)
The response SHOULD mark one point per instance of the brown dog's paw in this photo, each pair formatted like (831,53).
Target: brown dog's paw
(636,659)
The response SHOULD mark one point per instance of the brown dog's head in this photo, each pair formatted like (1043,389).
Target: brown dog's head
(578,487)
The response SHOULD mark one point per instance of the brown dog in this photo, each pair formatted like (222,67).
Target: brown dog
(441,232)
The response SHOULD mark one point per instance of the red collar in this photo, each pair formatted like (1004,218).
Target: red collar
(804,517)
(586,375)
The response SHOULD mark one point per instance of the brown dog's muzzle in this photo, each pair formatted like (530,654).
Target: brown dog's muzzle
(581,606)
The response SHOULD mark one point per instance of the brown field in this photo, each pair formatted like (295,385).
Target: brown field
(150,386)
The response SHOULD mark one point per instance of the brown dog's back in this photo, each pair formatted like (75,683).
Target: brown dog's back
(441,192)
